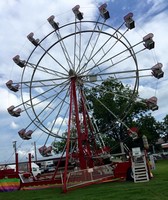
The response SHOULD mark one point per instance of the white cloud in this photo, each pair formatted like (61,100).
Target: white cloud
(7,99)
(14,125)
(157,6)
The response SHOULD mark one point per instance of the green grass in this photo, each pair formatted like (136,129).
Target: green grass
(155,189)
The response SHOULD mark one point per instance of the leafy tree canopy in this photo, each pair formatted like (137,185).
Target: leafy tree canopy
(115,108)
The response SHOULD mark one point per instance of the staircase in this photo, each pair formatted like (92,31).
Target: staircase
(139,168)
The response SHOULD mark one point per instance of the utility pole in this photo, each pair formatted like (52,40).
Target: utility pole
(16,156)
(35,151)
(14,146)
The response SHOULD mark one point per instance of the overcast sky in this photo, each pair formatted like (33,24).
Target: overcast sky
(20,17)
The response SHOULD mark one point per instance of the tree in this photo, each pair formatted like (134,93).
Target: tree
(119,108)
(58,146)
(164,129)
(115,109)
(110,103)
(149,127)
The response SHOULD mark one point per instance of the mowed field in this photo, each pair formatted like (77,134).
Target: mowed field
(155,189)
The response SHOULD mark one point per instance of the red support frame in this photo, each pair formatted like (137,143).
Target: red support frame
(81,156)
(17,163)
(68,143)
(82,160)
(86,120)
(29,163)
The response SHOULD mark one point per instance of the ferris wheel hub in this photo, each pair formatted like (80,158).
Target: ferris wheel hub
(72,73)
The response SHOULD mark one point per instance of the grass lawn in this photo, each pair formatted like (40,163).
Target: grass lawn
(155,189)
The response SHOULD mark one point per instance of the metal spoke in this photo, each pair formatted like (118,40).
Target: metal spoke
(64,49)
(128,49)
(93,55)
(46,70)
(88,43)
(46,51)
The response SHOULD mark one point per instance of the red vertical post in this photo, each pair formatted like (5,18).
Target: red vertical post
(82,160)
(29,163)
(89,155)
(68,144)
(17,163)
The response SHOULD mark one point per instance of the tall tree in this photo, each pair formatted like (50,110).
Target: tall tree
(149,127)
(112,105)
(164,130)
(115,109)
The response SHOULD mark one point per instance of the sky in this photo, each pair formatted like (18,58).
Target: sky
(20,17)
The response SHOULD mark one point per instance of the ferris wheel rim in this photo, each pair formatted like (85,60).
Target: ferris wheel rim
(63,39)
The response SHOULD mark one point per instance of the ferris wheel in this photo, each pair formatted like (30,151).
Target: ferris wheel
(71,59)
